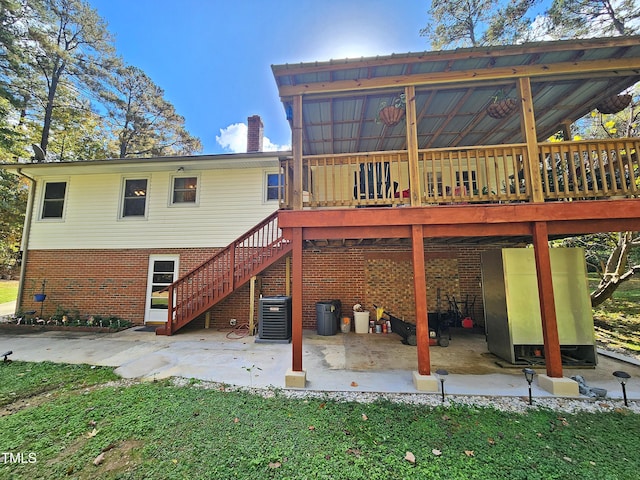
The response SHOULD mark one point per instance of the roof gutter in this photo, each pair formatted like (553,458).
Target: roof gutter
(26,231)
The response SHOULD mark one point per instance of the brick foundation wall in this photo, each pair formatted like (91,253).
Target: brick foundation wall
(97,282)
(108,282)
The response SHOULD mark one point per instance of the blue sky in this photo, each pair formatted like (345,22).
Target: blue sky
(213,58)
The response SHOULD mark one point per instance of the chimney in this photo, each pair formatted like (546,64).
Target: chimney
(254,134)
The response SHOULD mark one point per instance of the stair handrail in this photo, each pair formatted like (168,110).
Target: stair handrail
(250,253)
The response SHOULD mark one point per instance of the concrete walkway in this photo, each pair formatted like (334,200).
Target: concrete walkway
(351,362)
(7,308)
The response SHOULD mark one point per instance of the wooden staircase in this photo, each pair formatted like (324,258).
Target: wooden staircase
(200,289)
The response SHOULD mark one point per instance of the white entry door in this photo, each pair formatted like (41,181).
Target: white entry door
(163,270)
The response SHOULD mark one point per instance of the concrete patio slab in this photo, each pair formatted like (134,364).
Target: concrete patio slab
(342,362)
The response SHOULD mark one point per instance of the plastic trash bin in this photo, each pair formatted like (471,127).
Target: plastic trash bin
(327,315)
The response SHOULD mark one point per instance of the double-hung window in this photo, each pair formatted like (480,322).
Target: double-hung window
(53,200)
(134,201)
(185,191)
(275,186)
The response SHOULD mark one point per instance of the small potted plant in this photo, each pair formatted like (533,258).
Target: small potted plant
(391,114)
(501,106)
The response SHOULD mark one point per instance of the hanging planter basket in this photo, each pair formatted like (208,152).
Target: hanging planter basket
(391,115)
(614,103)
(501,108)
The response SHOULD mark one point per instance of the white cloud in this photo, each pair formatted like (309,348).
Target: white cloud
(233,139)
(267,146)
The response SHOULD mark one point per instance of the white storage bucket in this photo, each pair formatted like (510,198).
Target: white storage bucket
(362,321)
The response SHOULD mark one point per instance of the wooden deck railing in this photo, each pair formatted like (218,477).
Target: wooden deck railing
(499,173)
(590,169)
(474,174)
(201,288)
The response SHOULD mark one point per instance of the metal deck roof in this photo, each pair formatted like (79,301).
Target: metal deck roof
(341,98)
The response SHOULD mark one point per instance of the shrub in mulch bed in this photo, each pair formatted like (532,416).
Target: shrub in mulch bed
(22,328)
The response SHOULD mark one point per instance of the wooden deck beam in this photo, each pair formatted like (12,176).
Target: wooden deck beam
(466,220)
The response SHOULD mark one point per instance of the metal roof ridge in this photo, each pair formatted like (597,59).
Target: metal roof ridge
(483,51)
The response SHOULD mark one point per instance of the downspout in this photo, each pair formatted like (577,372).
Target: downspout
(26,231)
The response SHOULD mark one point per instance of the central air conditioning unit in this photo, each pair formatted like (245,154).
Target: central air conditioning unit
(274,320)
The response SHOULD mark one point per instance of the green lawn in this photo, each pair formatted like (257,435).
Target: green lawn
(617,320)
(8,290)
(159,430)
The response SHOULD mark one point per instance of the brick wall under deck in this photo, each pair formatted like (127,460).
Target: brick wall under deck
(368,275)
(110,282)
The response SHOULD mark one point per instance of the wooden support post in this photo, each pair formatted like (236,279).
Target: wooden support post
(252,302)
(296,301)
(297,152)
(207,319)
(528,127)
(547,302)
(287,275)
(420,293)
(566,130)
(412,146)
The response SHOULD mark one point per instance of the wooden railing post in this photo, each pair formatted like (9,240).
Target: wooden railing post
(528,126)
(297,153)
(412,146)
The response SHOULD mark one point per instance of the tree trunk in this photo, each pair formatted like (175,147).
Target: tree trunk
(616,271)
(48,111)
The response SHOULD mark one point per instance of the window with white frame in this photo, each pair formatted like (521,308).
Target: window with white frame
(53,199)
(134,200)
(184,191)
(434,183)
(470,184)
(275,186)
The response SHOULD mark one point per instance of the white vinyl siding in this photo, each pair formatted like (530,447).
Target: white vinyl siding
(230,203)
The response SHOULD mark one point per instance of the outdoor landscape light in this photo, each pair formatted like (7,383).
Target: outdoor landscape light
(622,378)
(442,376)
(528,374)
